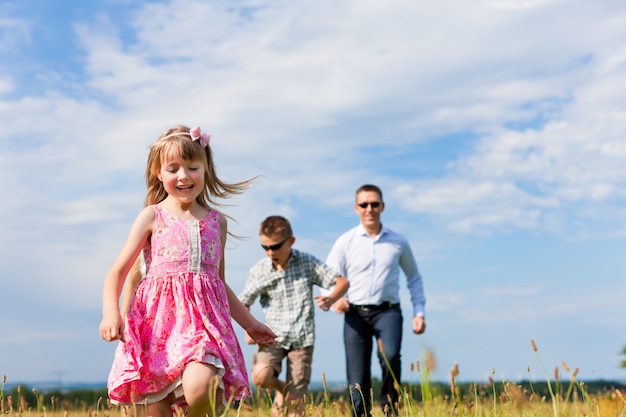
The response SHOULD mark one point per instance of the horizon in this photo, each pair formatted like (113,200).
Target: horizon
(315,385)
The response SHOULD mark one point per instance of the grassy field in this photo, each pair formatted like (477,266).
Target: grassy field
(512,401)
(559,395)
(494,399)
(541,399)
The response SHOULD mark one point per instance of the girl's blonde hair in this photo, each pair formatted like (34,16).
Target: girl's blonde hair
(179,139)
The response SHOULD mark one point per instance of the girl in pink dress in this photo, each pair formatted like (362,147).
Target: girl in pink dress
(177,344)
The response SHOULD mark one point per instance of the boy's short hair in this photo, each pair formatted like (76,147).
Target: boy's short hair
(276,225)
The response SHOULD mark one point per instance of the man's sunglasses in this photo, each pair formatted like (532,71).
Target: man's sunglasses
(276,246)
(374,204)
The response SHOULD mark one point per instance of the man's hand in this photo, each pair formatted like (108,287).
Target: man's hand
(341,306)
(419,325)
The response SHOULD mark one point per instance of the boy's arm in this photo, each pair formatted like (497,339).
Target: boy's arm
(326,301)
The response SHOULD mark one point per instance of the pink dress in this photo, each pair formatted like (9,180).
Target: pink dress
(179,315)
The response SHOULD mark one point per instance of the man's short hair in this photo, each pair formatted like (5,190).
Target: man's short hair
(370,187)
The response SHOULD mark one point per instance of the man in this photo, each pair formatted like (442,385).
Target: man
(371,256)
(284,282)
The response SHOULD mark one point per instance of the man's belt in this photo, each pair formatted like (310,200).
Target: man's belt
(386,305)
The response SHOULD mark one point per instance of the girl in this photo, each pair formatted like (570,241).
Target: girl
(178,345)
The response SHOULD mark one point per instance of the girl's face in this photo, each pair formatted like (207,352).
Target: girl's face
(181,178)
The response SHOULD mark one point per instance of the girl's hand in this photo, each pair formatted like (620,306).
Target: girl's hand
(248,339)
(262,335)
(112,328)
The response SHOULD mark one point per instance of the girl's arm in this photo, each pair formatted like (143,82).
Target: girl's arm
(133,279)
(112,325)
(262,334)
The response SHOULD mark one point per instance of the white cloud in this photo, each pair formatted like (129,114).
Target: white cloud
(13,31)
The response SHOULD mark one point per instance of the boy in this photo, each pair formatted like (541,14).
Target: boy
(284,282)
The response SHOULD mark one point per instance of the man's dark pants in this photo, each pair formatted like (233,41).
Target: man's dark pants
(363,324)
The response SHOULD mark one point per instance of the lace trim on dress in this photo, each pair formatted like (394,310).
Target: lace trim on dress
(193,229)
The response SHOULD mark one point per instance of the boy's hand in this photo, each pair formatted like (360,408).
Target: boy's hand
(323,302)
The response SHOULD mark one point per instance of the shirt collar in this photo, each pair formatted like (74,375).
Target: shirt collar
(361,230)
(292,256)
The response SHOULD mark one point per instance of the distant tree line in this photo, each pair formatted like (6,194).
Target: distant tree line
(23,398)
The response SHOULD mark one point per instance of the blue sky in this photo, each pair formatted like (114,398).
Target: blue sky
(496,130)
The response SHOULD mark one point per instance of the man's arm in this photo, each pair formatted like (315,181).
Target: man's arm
(416,288)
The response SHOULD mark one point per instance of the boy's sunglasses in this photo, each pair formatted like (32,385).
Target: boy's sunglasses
(374,204)
(276,246)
